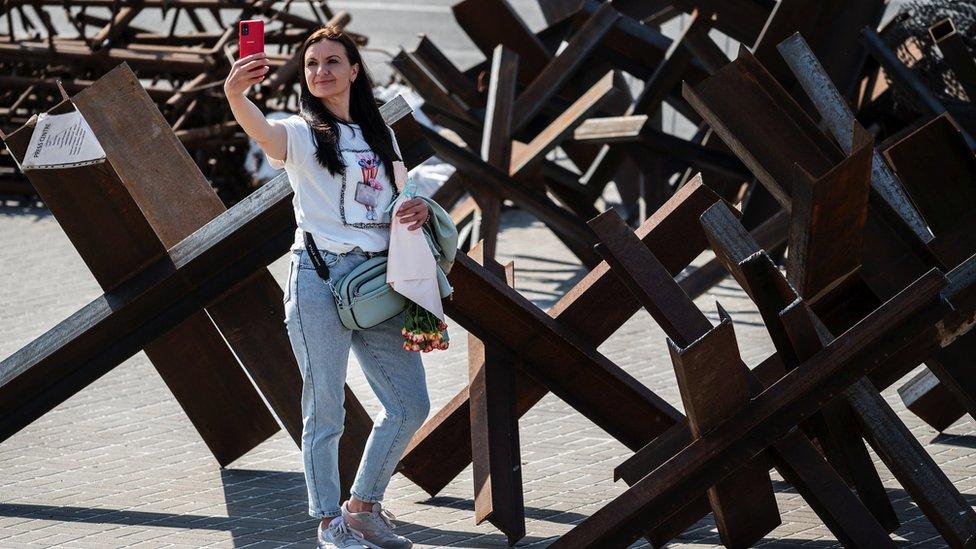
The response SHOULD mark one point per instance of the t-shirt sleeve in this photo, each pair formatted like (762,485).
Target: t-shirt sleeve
(299,142)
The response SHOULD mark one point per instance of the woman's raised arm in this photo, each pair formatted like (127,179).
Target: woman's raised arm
(272,138)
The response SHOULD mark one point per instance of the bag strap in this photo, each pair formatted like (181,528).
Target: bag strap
(313,253)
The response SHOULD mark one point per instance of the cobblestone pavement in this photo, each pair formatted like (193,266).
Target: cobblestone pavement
(119,464)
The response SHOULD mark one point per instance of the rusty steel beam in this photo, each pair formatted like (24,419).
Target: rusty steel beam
(956,55)
(912,324)
(839,119)
(595,308)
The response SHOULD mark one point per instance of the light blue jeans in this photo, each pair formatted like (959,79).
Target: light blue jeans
(321,345)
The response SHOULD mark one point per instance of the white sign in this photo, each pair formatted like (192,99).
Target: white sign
(62,141)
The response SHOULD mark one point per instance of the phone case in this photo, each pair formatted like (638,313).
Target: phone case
(253,41)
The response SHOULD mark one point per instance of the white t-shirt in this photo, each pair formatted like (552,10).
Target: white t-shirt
(341,211)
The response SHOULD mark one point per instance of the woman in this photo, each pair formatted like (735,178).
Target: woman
(338,154)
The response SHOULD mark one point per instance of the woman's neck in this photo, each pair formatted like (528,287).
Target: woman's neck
(339,107)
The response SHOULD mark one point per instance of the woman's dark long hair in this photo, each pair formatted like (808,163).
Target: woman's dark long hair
(363,109)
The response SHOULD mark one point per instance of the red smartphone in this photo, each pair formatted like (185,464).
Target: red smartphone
(250,37)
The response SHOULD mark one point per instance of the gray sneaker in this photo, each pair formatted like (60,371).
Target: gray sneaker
(376,527)
(339,535)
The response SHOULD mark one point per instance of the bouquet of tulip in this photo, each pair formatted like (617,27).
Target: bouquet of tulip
(422,331)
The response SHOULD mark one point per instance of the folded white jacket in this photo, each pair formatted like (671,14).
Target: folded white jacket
(411,269)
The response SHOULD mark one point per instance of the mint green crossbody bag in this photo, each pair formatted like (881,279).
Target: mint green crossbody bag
(363,297)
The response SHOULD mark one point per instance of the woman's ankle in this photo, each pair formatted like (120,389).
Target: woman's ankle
(356,505)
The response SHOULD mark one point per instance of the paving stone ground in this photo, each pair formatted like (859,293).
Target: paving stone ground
(119,464)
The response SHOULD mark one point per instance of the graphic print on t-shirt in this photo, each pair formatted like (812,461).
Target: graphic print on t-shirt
(368,190)
(361,204)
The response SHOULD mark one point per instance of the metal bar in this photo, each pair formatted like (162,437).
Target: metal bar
(924,100)
(930,400)
(594,309)
(770,234)
(731,98)
(956,55)
(447,74)
(496,464)
(701,46)
(564,125)
(561,68)
(491,22)
(496,142)
(681,320)
(904,322)
(572,369)
(932,491)
(828,219)
(937,169)
(559,220)
(714,385)
(168,288)
(839,119)
(771,292)
(742,20)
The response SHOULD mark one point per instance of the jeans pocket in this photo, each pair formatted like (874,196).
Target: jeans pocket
(305,260)
(331,259)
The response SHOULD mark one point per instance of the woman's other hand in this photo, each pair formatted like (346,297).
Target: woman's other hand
(246,72)
(414,212)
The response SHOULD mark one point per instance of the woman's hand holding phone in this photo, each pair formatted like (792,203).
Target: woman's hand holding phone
(246,72)
(250,69)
